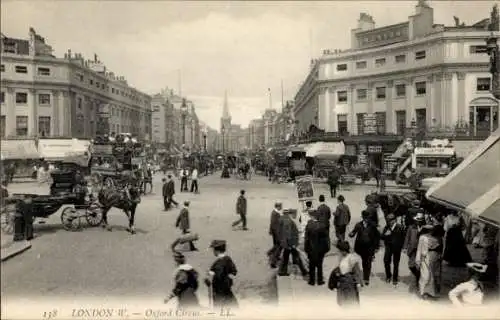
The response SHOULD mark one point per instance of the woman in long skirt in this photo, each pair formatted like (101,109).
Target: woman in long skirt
(455,252)
(429,260)
(347,277)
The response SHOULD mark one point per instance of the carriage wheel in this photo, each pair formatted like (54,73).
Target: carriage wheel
(70,219)
(7,218)
(108,182)
(93,215)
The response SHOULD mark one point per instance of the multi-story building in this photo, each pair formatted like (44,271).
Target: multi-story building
(414,73)
(160,106)
(46,96)
(256,134)
(269,118)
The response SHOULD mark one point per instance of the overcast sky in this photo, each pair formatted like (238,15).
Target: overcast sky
(241,47)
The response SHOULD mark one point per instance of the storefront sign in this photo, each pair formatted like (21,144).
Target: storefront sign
(434,151)
(58,149)
(374,149)
(369,123)
(102,149)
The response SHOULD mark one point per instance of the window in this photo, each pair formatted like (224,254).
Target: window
(380,116)
(43,71)
(44,98)
(400,90)
(380,92)
(21,69)
(342,96)
(97,84)
(112,90)
(400,58)
(91,81)
(478,49)
(79,103)
(43,126)
(2,127)
(420,88)
(419,55)
(156,109)
(342,124)
(21,125)
(2,68)
(342,67)
(432,163)
(379,62)
(400,122)
(360,122)
(21,97)
(361,94)
(80,77)
(361,65)
(2,97)
(483,84)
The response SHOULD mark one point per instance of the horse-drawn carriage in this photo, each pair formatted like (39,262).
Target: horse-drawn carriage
(68,189)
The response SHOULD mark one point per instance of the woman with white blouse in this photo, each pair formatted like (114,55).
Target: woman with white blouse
(470,292)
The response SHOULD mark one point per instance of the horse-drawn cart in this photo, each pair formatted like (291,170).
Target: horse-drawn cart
(68,189)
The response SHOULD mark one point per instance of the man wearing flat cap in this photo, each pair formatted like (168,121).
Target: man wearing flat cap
(394,237)
(183,224)
(220,277)
(241,210)
(186,284)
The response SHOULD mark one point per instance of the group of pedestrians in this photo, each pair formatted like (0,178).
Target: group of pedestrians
(168,189)
(219,280)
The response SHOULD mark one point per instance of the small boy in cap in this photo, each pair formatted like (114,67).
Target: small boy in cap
(220,277)
(241,210)
(186,284)
(183,224)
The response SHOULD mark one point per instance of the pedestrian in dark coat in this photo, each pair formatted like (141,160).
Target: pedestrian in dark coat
(164,190)
(274,226)
(366,244)
(333,182)
(393,236)
(186,284)
(184,180)
(341,219)
(170,191)
(316,245)
(220,276)
(241,210)
(371,208)
(413,233)
(324,212)
(182,223)
(289,241)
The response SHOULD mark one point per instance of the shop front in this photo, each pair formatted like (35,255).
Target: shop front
(18,158)
(370,150)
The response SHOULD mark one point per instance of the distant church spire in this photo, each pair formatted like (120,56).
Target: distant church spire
(225,110)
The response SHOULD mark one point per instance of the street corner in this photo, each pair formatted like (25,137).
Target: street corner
(11,249)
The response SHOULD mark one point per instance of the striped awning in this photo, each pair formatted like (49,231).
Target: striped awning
(18,150)
(474,186)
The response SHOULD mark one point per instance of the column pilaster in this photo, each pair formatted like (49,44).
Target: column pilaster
(410,95)
(54,120)
(462,111)
(370,97)
(32,114)
(10,112)
(389,115)
(351,118)
(429,99)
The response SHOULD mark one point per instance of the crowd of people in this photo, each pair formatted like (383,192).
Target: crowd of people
(426,239)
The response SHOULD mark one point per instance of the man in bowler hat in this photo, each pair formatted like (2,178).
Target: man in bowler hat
(274,226)
(220,277)
(394,237)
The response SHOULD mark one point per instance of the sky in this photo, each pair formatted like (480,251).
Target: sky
(204,48)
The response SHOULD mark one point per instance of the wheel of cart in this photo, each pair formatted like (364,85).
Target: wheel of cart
(72,216)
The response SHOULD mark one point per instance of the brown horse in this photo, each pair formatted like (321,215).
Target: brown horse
(126,199)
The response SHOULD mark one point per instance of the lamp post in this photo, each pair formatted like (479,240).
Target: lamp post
(205,133)
(183,117)
(413,128)
(493,52)
(222,131)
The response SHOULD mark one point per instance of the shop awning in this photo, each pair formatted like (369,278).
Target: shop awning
(19,150)
(326,150)
(473,186)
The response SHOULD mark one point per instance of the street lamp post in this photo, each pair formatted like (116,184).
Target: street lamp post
(493,52)
(413,127)
(222,130)
(183,116)
(205,139)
